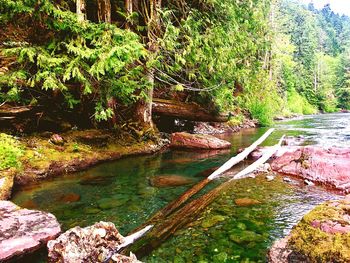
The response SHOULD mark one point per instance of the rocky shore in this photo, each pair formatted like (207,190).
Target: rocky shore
(47,155)
(321,236)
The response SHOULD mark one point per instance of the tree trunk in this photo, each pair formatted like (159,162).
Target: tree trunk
(128,9)
(81,10)
(150,15)
(186,111)
(104,11)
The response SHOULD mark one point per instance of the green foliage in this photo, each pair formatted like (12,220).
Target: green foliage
(90,58)
(10,152)
(212,46)
(299,104)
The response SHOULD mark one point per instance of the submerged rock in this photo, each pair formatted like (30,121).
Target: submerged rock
(170,180)
(328,166)
(70,198)
(197,141)
(321,236)
(212,221)
(90,244)
(57,139)
(246,202)
(23,231)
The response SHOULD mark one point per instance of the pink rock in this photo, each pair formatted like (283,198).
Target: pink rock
(197,141)
(279,251)
(23,230)
(325,166)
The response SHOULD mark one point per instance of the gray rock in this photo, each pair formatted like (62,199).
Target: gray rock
(90,244)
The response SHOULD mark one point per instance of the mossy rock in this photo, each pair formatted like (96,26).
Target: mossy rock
(323,235)
(212,221)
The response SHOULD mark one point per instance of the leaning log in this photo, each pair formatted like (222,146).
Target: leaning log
(186,111)
(163,229)
(171,207)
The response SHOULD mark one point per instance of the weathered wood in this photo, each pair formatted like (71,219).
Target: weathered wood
(12,111)
(241,156)
(171,207)
(186,111)
(266,156)
(164,228)
(128,240)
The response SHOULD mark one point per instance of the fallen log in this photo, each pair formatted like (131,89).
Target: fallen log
(186,111)
(128,240)
(163,229)
(171,207)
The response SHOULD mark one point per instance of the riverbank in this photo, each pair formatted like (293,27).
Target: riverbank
(47,155)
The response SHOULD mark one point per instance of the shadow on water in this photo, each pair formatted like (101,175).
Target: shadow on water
(122,192)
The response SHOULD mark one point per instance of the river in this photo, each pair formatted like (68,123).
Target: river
(122,192)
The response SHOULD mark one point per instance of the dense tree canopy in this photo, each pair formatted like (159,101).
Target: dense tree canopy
(106,59)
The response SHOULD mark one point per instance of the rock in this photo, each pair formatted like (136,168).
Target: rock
(245,236)
(287,180)
(23,231)
(293,141)
(197,141)
(212,221)
(246,202)
(69,198)
(309,183)
(170,180)
(281,253)
(258,152)
(57,140)
(270,178)
(90,244)
(264,168)
(321,236)
(327,166)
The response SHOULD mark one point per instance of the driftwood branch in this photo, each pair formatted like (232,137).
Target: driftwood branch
(128,241)
(166,227)
(172,206)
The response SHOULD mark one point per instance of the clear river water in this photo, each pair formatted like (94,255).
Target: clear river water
(122,192)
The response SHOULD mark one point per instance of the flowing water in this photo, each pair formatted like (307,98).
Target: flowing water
(127,192)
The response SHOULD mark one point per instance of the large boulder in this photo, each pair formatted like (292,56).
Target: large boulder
(197,141)
(327,166)
(91,244)
(321,236)
(23,230)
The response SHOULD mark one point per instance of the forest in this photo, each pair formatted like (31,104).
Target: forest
(202,130)
(103,62)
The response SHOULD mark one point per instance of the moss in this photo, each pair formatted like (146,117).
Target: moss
(40,158)
(318,245)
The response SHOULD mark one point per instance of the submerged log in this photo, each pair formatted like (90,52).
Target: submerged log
(171,207)
(164,228)
(186,111)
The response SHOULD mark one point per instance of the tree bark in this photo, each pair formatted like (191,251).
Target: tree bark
(186,111)
(81,10)
(104,11)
